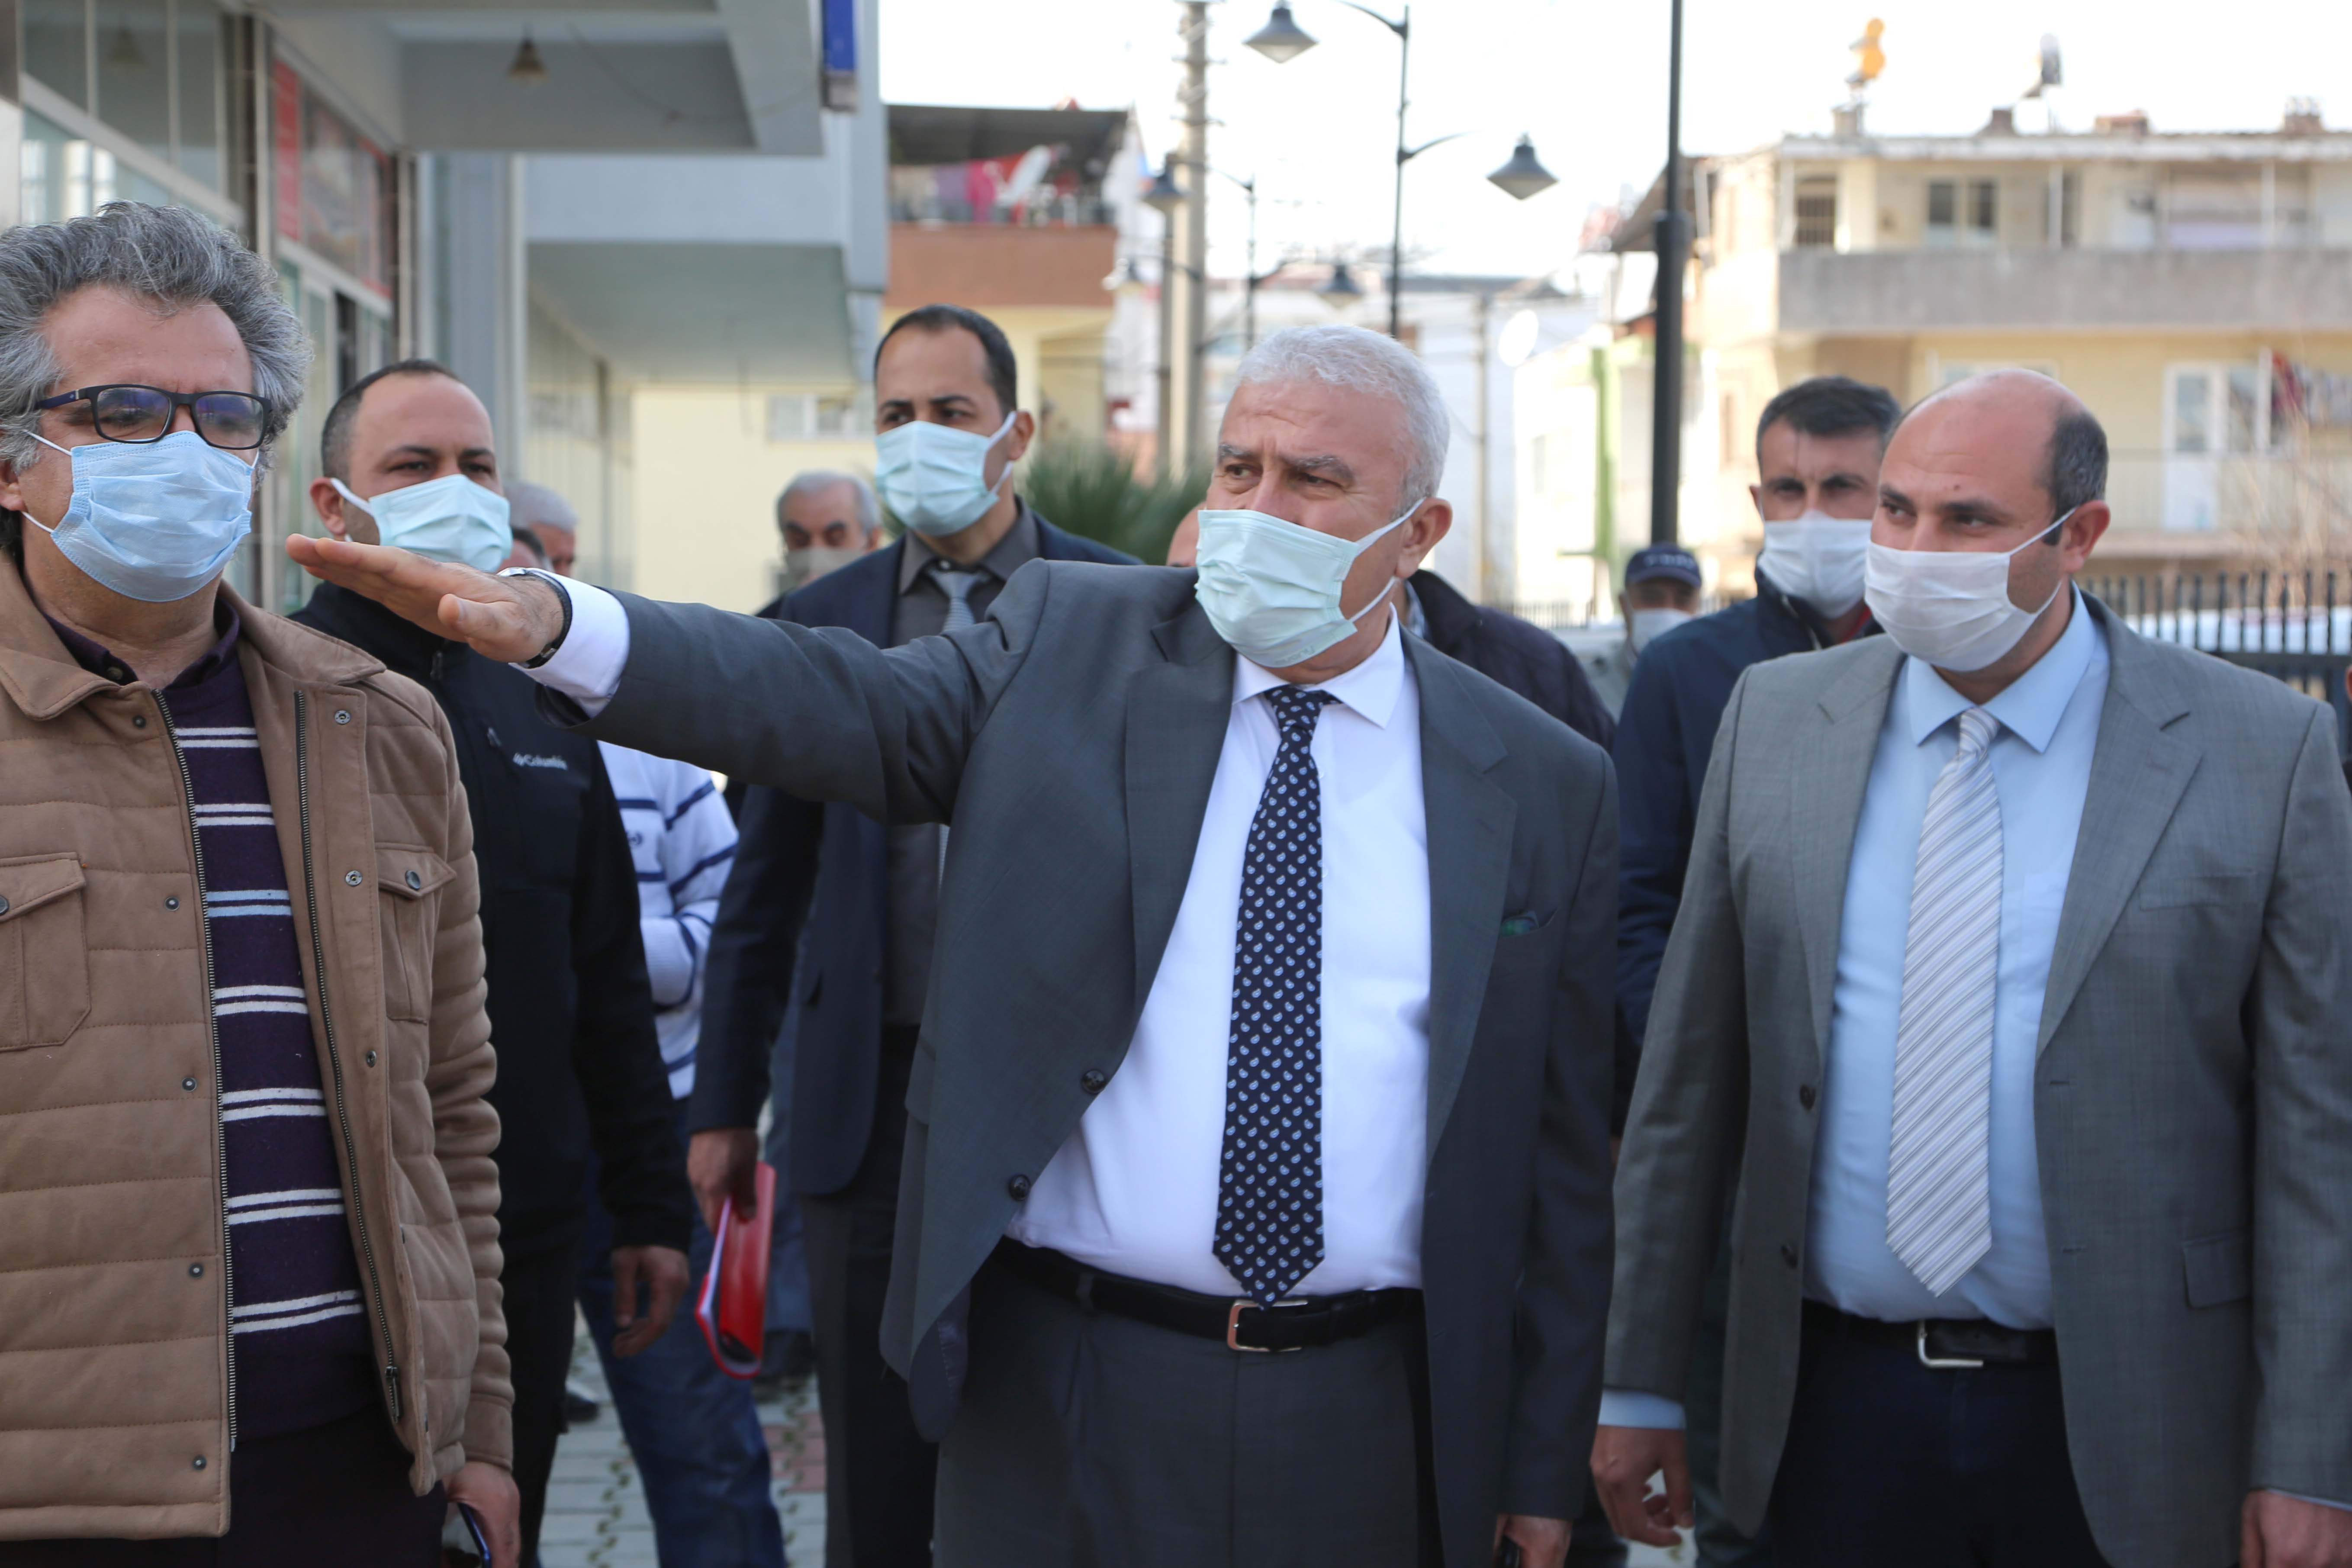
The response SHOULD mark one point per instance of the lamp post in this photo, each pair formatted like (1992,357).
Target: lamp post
(1672,242)
(1282,40)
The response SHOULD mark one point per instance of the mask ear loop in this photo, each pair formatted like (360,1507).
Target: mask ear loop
(344,490)
(1366,544)
(1002,431)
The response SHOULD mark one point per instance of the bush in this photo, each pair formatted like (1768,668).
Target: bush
(1093,490)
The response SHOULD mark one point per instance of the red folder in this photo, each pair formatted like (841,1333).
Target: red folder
(733,1306)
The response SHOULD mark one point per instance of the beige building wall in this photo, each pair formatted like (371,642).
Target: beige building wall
(706,485)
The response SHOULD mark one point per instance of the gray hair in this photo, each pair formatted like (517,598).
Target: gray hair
(816,481)
(1367,361)
(534,506)
(171,257)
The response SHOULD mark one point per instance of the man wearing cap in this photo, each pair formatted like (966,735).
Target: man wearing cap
(1818,446)
(1661,592)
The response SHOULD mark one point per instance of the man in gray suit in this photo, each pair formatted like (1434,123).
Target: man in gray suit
(2005,1006)
(1270,1010)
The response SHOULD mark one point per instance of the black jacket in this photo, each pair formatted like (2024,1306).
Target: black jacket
(571,1011)
(794,854)
(1665,733)
(1513,653)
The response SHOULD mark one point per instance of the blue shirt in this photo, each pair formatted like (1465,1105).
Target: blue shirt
(2042,769)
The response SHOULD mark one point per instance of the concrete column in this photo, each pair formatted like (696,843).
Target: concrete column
(483,309)
(12,112)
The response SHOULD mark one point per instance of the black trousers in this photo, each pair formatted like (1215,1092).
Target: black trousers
(539,1284)
(334,1494)
(1089,1440)
(1888,1461)
(879,1474)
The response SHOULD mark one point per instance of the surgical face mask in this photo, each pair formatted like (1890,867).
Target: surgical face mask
(811,561)
(1817,558)
(1951,607)
(934,478)
(1272,588)
(1644,626)
(153,521)
(449,519)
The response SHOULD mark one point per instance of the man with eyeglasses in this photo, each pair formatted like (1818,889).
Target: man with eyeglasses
(250,1312)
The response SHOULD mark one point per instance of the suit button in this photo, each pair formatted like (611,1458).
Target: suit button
(1789,1253)
(1092,1081)
(4,906)
(370,1058)
(1805,1096)
(1019,1187)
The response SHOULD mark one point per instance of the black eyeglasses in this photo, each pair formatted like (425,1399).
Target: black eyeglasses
(128,412)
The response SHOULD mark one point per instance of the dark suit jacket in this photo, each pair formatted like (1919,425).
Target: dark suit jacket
(1513,653)
(1075,733)
(824,867)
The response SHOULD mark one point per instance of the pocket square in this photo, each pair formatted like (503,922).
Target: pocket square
(1523,924)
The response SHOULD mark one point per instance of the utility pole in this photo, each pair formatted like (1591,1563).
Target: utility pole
(1188,315)
(1403,27)
(1672,242)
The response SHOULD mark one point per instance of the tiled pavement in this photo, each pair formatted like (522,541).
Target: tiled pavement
(596,1510)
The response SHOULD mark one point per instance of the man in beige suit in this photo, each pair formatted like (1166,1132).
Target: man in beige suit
(2005,1009)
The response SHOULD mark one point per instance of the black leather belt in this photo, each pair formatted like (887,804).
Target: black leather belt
(1946,1344)
(1242,1324)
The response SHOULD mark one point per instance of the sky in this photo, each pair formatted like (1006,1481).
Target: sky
(1587,81)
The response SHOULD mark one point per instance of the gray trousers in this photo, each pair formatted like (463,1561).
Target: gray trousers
(1089,1440)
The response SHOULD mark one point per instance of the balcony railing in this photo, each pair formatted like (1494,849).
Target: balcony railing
(1045,212)
(2025,289)
(2263,502)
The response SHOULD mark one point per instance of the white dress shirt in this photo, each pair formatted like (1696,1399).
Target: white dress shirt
(1134,1191)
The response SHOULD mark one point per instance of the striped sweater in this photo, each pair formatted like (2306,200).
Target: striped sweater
(298,1329)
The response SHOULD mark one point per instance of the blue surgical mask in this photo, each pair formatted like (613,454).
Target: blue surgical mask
(934,478)
(449,519)
(1272,588)
(155,520)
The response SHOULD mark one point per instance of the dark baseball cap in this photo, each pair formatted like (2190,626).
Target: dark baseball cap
(1663,561)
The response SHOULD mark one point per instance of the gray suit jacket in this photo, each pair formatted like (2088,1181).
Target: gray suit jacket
(2193,1109)
(1081,723)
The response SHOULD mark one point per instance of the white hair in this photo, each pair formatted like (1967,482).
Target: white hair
(1367,361)
(817,481)
(536,506)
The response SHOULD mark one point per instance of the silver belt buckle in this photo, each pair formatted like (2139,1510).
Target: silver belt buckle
(1234,1329)
(1943,1364)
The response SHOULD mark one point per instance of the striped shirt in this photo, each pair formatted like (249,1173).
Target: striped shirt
(298,1328)
(682,838)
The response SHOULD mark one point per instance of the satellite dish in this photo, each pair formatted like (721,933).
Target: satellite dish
(1517,341)
(2051,73)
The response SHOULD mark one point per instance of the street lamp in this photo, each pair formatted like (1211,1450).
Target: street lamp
(1165,194)
(1342,291)
(1281,39)
(1523,176)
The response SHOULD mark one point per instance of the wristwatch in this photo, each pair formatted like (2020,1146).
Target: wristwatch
(562,597)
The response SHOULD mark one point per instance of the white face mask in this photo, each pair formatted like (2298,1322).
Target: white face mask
(934,478)
(1817,558)
(811,561)
(449,519)
(1642,626)
(1272,588)
(1951,607)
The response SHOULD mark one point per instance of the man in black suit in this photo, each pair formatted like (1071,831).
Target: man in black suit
(875,895)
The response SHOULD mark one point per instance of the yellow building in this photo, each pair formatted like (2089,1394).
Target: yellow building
(2194,289)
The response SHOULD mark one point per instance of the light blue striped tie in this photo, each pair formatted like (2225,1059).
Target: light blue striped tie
(1938,1208)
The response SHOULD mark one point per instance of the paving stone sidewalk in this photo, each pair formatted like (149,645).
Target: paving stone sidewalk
(596,1509)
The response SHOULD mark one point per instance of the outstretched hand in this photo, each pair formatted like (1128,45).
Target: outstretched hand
(510,619)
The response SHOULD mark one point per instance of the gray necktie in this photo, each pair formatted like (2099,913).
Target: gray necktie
(1938,1208)
(957,584)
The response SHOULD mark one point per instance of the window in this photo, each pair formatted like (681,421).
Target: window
(63,176)
(1963,212)
(1817,207)
(814,417)
(148,69)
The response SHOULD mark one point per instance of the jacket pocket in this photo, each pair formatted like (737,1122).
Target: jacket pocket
(2219,1268)
(410,880)
(44,955)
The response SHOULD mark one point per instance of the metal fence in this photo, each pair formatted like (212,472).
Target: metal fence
(2292,625)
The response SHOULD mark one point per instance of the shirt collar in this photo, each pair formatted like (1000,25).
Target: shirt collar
(96,659)
(1019,547)
(1371,689)
(2029,706)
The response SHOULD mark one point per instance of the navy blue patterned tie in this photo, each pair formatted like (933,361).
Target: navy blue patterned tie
(1270,1179)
